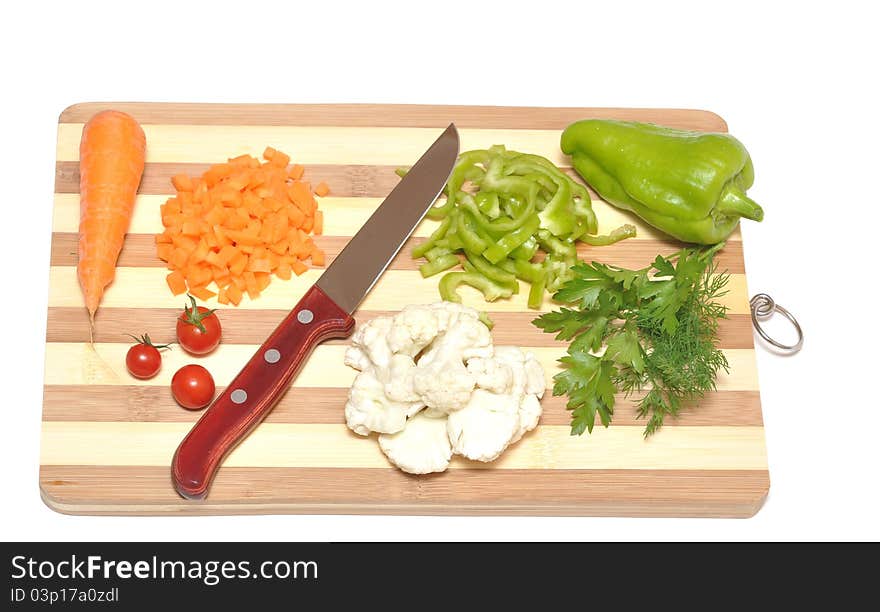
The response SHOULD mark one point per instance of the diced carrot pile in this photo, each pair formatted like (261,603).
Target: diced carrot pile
(227,232)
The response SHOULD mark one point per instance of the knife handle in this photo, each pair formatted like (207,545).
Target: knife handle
(255,390)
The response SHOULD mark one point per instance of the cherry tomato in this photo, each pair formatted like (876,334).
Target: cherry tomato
(143,360)
(198,329)
(192,387)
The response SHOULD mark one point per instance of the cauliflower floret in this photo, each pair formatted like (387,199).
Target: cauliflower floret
(369,409)
(513,358)
(414,328)
(445,386)
(356,358)
(372,340)
(484,428)
(421,448)
(463,336)
(503,407)
(535,381)
(399,381)
(529,414)
(491,374)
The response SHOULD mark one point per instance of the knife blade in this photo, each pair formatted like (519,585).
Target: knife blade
(324,312)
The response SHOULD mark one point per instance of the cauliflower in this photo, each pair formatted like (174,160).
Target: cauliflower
(369,409)
(432,383)
(500,412)
(421,448)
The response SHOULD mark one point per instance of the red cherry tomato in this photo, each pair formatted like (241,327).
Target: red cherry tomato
(143,360)
(198,329)
(192,387)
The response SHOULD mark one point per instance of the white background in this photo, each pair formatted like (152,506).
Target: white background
(797,84)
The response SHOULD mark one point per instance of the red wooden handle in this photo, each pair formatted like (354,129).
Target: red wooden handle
(255,390)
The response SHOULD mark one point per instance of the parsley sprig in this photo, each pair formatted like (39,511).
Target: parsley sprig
(652,330)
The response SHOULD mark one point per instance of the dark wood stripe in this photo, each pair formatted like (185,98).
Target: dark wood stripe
(148,490)
(139,251)
(115,403)
(344,180)
(388,115)
(66,324)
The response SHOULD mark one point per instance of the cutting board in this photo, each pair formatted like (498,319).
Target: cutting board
(107,439)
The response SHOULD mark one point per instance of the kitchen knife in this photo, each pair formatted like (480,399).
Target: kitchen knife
(323,312)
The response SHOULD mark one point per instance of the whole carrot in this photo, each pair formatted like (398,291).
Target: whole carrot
(111,162)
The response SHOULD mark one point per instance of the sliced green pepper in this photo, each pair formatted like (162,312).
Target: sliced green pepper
(493,273)
(488,204)
(506,244)
(444,262)
(491,290)
(529,272)
(621,233)
(536,291)
(526,250)
(464,229)
(431,242)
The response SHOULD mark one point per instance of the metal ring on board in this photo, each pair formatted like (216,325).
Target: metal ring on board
(763,306)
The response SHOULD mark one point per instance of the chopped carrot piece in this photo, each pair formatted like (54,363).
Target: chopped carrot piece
(263,279)
(238,264)
(296,172)
(203,293)
(283,270)
(164,251)
(233,293)
(176,282)
(259,265)
(182,182)
(280,159)
(321,189)
(318,257)
(250,284)
(318,226)
(298,267)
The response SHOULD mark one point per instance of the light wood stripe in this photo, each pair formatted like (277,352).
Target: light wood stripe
(134,490)
(300,445)
(390,115)
(254,326)
(139,250)
(344,216)
(324,405)
(375,146)
(104,364)
(396,289)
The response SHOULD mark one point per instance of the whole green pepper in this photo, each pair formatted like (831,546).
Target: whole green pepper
(690,185)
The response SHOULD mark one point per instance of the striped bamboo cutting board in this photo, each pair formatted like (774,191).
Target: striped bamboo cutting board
(108,439)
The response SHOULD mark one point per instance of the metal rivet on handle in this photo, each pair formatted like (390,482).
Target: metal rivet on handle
(305,316)
(272,356)
(238,396)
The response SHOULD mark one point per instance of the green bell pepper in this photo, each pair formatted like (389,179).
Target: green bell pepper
(690,185)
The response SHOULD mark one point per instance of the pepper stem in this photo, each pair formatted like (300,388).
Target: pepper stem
(734,201)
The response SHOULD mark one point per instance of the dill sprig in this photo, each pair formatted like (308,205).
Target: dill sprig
(653,330)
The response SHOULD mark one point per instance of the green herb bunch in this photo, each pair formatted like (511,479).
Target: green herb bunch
(658,327)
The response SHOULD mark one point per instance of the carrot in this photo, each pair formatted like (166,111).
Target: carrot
(112,153)
(237,225)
